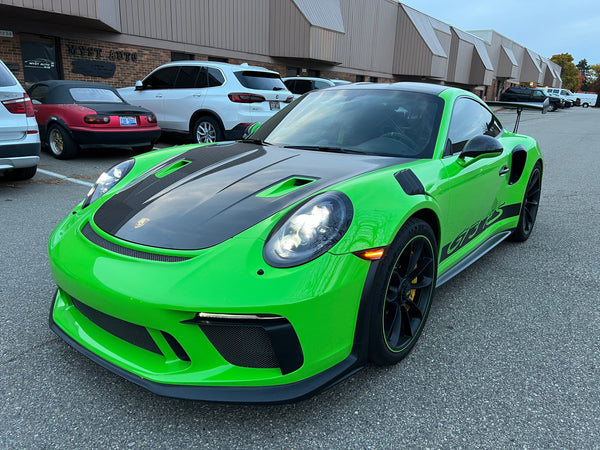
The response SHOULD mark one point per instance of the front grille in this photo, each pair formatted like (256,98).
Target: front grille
(245,346)
(91,235)
(129,332)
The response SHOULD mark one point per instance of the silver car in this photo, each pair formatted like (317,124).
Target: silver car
(19,134)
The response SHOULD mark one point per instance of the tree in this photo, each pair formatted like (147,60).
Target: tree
(584,70)
(595,86)
(569,73)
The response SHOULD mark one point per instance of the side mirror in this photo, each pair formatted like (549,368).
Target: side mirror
(139,85)
(482,145)
(250,129)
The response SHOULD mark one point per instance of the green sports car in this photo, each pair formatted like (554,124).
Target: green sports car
(271,268)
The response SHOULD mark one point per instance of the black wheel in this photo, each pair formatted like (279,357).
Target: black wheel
(529,207)
(207,129)
(403,290)
(552,107)
(24,173)
(61,145)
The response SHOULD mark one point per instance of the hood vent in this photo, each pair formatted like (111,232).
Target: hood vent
(286,186)
(172,168)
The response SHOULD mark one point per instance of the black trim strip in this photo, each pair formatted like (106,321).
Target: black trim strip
(92,236)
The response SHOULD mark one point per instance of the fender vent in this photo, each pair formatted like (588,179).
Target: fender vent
(409,182)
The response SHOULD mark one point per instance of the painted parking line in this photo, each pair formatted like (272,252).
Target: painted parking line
(63,177)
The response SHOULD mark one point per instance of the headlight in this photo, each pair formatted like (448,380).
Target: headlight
(309,231)
(107,180)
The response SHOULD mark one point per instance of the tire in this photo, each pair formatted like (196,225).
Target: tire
(586,105)
(207,129)
(60,143)
(24,173)
(403,295)
(552,107)
(529,207)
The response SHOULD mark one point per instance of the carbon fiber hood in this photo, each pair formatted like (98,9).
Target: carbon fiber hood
(210,193)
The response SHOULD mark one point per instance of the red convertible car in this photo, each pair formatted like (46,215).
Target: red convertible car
(79,114)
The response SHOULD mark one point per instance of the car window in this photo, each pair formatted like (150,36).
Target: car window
(321,84)
(6,77)
(470,119)
(375,121)
(94,95)
(290,84)
(303,86)
(38,93)
(539,94)
(162,78)
(215,77)
(266,81)
(186,77)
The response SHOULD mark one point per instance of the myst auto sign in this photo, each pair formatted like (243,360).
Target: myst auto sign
(100,53)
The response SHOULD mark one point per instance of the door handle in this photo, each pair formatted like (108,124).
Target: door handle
(504,171)
(158,96)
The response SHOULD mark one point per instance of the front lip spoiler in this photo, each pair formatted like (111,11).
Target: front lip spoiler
(285,393)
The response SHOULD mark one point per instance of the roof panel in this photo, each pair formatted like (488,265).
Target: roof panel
(322,13)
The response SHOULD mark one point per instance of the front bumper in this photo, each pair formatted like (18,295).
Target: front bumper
(145,328)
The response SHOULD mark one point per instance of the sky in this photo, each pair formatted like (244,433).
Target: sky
(547,28)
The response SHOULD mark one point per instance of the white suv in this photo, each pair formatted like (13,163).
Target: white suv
(19,135)
(210,101)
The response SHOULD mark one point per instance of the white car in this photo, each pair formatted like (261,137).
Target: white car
(210,101)
(19,134)
(578,99)
(302,85)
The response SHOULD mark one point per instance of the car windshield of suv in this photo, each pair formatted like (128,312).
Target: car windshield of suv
(369,121)
(265,81)
(94,95)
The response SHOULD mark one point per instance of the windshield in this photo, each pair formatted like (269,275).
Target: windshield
(369,121)
(94,95)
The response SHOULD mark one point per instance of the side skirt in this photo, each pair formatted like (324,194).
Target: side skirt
(485,247)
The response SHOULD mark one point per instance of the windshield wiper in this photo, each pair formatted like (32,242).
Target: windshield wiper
(323,149)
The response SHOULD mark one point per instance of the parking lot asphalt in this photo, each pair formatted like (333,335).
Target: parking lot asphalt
(509,357)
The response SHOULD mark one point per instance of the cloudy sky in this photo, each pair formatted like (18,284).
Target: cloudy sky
(547,28)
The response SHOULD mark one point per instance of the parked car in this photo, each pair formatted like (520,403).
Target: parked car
(302,85)
(209,101)
(528,94)
(567,101)
(19,136)
(581,98)
(587,99)
(80,114)
(269,269)
(565,93)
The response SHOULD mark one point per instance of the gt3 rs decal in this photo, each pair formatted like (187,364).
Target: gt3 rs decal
(500,213)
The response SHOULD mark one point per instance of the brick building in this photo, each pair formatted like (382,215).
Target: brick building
(121,41)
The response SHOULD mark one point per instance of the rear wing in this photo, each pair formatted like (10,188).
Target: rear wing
(520,106)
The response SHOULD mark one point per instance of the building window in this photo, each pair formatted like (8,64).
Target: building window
(360,78)
(217,59)
(177,56)
(301,72)
(373,79)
